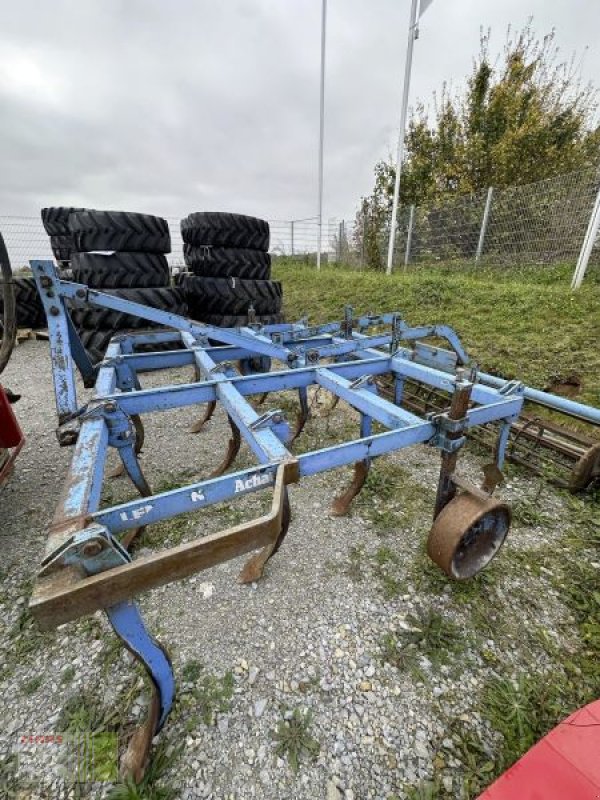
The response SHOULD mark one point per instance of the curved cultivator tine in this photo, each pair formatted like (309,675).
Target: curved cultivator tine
(119,470)
(302,415)
(233,448)
(199,424)
(254,567)
(341,504)
(128,624)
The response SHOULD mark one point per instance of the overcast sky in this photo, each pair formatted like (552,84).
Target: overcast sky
(170,106)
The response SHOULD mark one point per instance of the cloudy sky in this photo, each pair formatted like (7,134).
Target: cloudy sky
(170,106)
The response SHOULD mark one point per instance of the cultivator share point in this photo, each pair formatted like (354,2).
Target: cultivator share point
(88,564)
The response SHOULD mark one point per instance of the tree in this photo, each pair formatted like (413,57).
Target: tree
(525,118)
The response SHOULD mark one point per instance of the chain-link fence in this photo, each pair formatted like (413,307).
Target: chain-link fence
(540,223)
(26,239)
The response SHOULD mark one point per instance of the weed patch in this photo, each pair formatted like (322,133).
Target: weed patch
(293,738)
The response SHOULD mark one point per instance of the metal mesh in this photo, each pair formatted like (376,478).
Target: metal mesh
(539,223)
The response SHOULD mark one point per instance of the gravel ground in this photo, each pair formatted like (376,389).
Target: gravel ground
(310,636)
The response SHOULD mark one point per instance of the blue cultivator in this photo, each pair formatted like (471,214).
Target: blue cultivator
(88,565)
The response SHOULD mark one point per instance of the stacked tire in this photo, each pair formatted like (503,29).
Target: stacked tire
(122,254)
(56,224)
(29,309)
(228,283)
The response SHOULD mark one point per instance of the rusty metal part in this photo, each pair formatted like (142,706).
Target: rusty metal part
(135,759)
(233,448)
(492,477)
(303,414)
(586,470)
(537,444)
(341,504)
(140,435)
(467,534)
(459,406)
(209,411)
(253,569)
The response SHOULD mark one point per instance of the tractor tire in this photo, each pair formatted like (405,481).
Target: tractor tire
(119,230)
(228,262)
(62,246)
(225,230)
(95,343)
(233,321)
(29,309)
(231,296)
(121,270)
(56,220)
(95,319)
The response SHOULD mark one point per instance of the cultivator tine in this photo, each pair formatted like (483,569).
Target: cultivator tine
(341,504)
(128,625)
(302,416)
(492,477)
(134,471)
(254,567)
(119,470)
(199,424)
(262,399)
(233,448)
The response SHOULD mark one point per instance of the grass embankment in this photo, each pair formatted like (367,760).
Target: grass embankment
(523,323)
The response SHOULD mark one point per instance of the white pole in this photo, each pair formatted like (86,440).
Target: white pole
(412,29)
(484,222)
(587,246)
(321,129)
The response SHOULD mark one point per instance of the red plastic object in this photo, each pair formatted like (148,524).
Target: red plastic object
(11,435)
(564,765)
(10,432)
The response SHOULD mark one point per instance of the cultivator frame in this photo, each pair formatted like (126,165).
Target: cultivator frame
(88,564)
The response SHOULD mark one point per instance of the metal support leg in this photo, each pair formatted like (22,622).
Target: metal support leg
(398,390)
(119,470)
(446,489)
(302,414)
(128,624)
(200,423)
(492,473)
(233,448)
(341,504)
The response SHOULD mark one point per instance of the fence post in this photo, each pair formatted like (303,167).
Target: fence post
(484,223)
(292,235)
(588,244)
(362,241)
(411,219)
(339,243)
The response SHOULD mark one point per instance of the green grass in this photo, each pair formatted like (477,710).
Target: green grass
(431,635)
(523,323)
(294,740)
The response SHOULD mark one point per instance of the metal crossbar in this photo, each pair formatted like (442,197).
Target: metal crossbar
(88,563)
